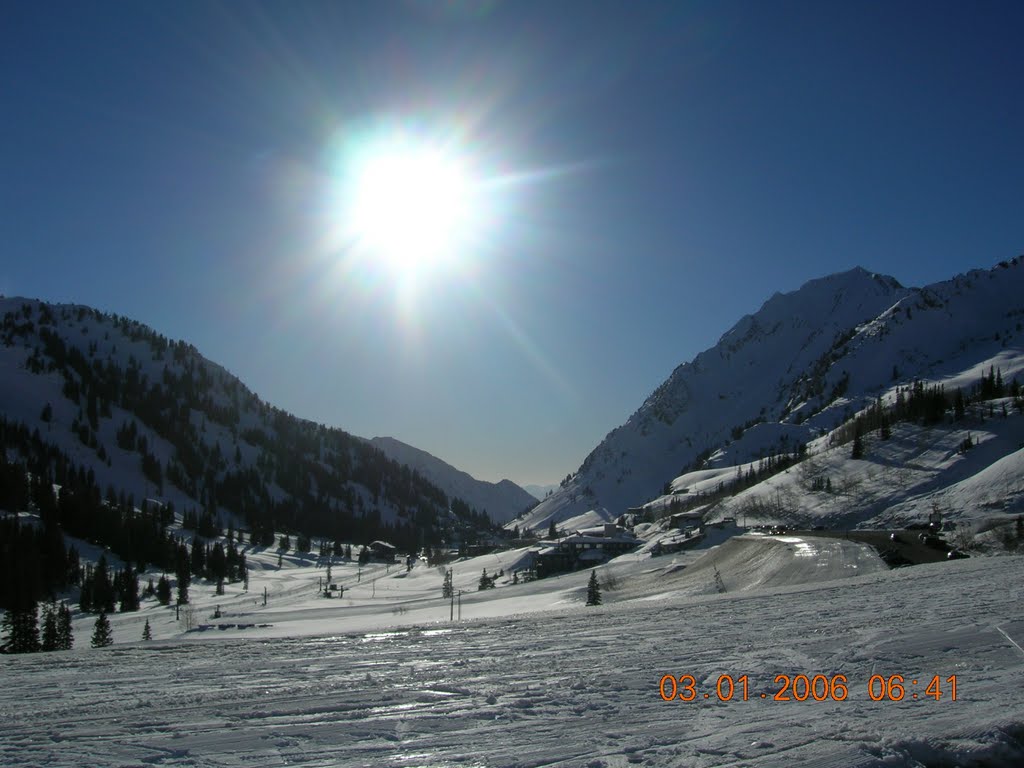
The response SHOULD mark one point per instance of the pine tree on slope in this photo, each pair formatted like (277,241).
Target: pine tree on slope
(49,627)
(593,590)
(21,628)
(101,635)
(65,638)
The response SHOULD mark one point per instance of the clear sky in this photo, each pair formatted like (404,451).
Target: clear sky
(645,173)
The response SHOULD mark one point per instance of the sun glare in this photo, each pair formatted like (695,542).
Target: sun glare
(410,205)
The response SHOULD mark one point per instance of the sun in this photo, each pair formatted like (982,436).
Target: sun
(410,204)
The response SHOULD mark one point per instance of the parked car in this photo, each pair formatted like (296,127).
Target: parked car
(895,537)
(956,554)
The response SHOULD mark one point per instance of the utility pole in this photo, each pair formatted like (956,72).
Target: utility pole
(460,605)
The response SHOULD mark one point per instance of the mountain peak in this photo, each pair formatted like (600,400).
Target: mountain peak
(802,362)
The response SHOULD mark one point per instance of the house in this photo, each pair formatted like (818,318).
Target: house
(583,549)
(684,539)
(382,551)
(682,520)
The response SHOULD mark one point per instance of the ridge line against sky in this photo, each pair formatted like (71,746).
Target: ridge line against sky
(646,174)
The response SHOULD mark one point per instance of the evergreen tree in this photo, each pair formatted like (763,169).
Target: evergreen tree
(858,442)
(446,588)
(49,627)
(197,560)
(21,628)
(102,588)
(163,590)
(85,593)
(552,530)
(959,405)
(65,638)
(128,587)
(147,633)
(593,590)
(101,635)
(182,591)
(486,582)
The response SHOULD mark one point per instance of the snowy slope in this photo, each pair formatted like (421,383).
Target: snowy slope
(898,481)
(802,364)
(502,501)
(567,686)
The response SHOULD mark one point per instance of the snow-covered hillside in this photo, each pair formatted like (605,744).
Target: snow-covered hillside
(147,417)
(502,501)
(800,366)
(529,676)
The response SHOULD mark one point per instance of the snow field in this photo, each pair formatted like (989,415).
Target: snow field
(567,686)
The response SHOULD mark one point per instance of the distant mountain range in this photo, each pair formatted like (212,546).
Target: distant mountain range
(540,491)
(802,365)
(501,501)
(133,413)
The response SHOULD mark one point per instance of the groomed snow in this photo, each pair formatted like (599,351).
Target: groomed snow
(566,686)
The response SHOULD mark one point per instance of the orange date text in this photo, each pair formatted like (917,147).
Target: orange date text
(807,688)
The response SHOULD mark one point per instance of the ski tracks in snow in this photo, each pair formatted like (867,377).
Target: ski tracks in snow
(576,688)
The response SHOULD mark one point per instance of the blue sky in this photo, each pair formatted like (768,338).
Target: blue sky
(670,165)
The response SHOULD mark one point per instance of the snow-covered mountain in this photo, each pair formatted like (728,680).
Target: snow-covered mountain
(502,501)
(801,365)
(137,415)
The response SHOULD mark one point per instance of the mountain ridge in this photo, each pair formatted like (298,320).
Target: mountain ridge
(502,501)
(152,418)
(791,364)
